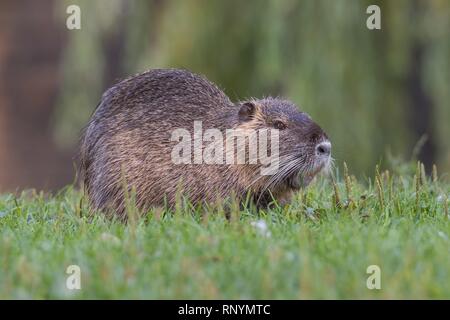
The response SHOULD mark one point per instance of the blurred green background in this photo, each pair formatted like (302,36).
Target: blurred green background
(381,95)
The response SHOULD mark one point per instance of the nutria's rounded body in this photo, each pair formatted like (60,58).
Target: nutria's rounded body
(128,145)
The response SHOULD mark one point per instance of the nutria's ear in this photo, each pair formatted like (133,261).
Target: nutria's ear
(247,110)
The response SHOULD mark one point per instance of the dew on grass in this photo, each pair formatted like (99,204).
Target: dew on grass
(109,238)
(442,235)
(261,227)
(290,256)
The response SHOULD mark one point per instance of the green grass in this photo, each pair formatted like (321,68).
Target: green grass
(319,247)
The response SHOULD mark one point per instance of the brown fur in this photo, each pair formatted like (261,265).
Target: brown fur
(126,145)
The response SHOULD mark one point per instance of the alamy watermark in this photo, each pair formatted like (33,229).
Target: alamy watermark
(236,146)
(374,280)
(73,281)
(73,21)
(374,20)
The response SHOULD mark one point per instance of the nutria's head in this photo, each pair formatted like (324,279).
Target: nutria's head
(304,148)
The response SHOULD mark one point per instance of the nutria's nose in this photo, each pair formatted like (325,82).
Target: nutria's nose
(323,148)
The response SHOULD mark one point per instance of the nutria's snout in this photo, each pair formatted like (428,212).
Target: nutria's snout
(323,154)
(320,162)
(323,149)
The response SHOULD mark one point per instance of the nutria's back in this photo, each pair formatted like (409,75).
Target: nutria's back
(128,144)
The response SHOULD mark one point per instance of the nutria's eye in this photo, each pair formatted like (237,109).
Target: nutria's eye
(280,125)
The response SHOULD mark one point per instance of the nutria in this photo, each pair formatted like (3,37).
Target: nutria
(127,146)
